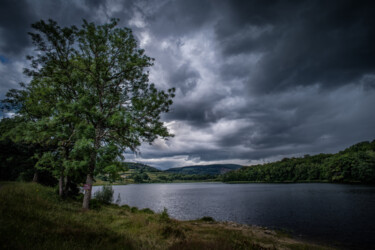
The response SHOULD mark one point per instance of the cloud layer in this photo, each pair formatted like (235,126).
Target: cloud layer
(255,81)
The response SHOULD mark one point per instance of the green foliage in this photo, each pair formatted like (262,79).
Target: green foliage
(126,207)
(140,178)
(207,219)
(105,195)
(89,99)
(187,177)
(141,173)
(134,209)
(212,169)
(355,164)
(140,167)
(164,216)
(17,158)
(146,211)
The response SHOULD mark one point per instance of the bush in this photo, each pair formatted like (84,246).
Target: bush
(126,207)
(146,211)
(134,210)
(164,216)
(78,197)
(207,219)
(105,195)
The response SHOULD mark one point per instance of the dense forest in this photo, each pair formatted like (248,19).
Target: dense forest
(212,169)
(355,164)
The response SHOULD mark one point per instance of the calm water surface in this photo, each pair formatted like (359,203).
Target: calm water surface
(337,214)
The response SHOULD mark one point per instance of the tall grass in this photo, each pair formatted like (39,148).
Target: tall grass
(33,217)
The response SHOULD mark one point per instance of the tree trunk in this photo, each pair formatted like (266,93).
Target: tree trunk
(87,196)
(36,176)
(63,182)
(66,186)
(90,175)
(61,185)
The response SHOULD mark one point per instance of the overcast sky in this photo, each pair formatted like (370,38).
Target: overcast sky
(256,80)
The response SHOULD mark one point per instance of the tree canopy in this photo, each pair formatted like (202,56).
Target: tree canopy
(90,97)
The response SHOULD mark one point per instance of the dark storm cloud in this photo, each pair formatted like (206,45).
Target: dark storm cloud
(94,3)
(197,114)
(256,80)
(300,76)
(306,121)
(185,77)
(177,18)
(302,43)
(15,17)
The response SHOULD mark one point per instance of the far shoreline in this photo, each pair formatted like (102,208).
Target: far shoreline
(101,183)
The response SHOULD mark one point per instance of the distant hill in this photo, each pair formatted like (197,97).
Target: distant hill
(140,167)
(355,164)
(213,169)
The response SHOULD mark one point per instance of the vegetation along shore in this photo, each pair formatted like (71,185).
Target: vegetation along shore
(34,217)
(355,165)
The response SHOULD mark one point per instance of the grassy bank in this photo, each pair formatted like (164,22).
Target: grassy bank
(34,217)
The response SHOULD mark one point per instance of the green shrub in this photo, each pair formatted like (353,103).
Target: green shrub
(25,176)
(79,197)
(105,195)
(134,210)
(146,211)
(164,216)
(125,207)
(207,219)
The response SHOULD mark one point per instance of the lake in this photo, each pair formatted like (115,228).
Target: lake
(332,213)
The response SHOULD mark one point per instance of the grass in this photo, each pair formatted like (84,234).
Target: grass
(34,217)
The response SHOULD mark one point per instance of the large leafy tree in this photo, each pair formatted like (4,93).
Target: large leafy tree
(42,103)
(91,87)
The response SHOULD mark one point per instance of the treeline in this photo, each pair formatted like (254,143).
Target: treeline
(140,167)
(167,177)
(212,169)
(185,177)
(355,164)
(18,158)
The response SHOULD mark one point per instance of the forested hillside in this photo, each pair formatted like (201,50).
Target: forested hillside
(354,164)
(140,167)
(212,169)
